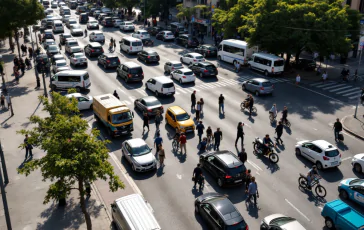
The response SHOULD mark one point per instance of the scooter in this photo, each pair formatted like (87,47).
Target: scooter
(259,150)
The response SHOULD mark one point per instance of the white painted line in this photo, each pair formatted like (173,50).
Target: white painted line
(358,93)
(231,81)
(122,90)
(223,84)
(317,92)
(181,90)
(126,102)
(257,173)
(221,77)
(208,85)
(197,90)
(347,158)
(332,87)
(132,98)
(142,92)
(356,96)
(177,93)
(349,90)
(345,87)
(297,210)
(202,86)
(188,90)
(326,84)
(254,165)
(216,84)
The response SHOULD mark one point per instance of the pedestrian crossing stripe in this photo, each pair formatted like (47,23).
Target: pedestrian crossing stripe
(344,90)
(358,93)
(345,87)
(349,90)
(333,86)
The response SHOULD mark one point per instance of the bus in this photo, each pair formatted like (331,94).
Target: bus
(232,51)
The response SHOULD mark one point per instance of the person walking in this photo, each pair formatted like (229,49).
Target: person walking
(221,104)
(237,67)
(110,46)
(200,127)
(197,175)
(157,120)
(28,148)
(248,178)
(157,142)
(193,100)
(198,110)
(217,138)
(183,141)
(240,134)
(251,104)
(161,155)
(30,51)
(243,156)
(298,79)
(201,105)
(114,42)
(253,191)
(2,101)
(145,121)
(28,63)
(324,77)
(22,67)
(338,127)
(279,132)
(88,189)
(116,94)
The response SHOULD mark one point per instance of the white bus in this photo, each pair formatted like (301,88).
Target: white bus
(232,51)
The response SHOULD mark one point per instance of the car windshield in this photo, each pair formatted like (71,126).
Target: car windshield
(79,56)
(278,63)
(183,117)
(152,103)
(281,221)
(332,153)
(73,43)
(136,43)
(210,67)
(140,150)
(61,64)
(266,84)
(113,59)
(198,57)
(239,226)
(128,24)
(168,85)
(178,65)
(211,48)
(72,22)
(121,117)
(236,170)
(53,48)
(170,33)
(153,54)
(66,35)
(76,27)
(356,182)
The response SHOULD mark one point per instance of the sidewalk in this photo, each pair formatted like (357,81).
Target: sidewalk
(354,126)
(25,194)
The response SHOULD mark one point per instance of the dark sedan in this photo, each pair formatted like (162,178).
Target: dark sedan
(225,166)
(108,60)
(207,50)
(148,56)
(204,69)
(63,38)
(154,30)
(149,104)
(219,212)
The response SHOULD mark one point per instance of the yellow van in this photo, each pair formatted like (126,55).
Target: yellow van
(178,117)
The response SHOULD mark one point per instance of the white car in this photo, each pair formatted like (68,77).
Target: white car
(141,34)
(96,36)
(117,22)
(92,24)
(165,35)
(52,50)
(54,5)
(183,75)
(320,152)
(48,42)
(358,163)
(76,30)
(60,4)
(60,65)
(49,11)
(279,221)
(192,58)
(126,26)
(78,59)
(84,101)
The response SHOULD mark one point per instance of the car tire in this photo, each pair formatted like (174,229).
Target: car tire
(180,81)
(181,59)
(219,182)
(329,223)
(257,93)
(190,63)
(357,168)
(298,152)
(319,165)
(156,93)
(343,194)
(197,210)
(266,73)
(91,106)
(243,87)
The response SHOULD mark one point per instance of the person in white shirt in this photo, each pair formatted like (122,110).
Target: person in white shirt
(273,110)
(324,76)
(298,79)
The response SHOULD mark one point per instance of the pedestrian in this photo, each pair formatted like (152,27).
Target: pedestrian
(237,66)
(243,156)
(2,101)
(200,127)
(116,95)
(201,105)
(248,177)
(157,142)
(183,141)
(221,104)
(338,127)
(28,148)
(28,63)
(30,51)
(145,22)
(148,23)
(197,175)
(253,191)
(298,79)
(24,50)
(111,40)
(193,100)
(279,132)
(16,74)
(198,110)
(217,138)
(22,67)
(240,134)
(114,44)
(324,76)
(157,120)
(87,189)
(251,104)
(110,46)
(145,121)
(8,101)
(161,155)
(203,145)
(15,61)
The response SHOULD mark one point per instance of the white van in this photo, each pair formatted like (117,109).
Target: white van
(132,213)
(67,79)
(269,64)
(57,26)
(161,85)
(131,45)
(232,51)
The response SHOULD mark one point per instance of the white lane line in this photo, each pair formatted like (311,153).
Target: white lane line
(356,96)
(177,93)
(222,84)
(202,86)
(208,85)
(326,84)
(221,77)
(122,90)
(197,90)
(346,158)
(316,92)
(349,90)
(181,90)
(297,210)
(358,93)
(254,165)
(132,98)
(332,87)
(337,89)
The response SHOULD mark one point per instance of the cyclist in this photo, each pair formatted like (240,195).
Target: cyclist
(209,135)
(311,175)
(266,142)
(176,136)
(273,111)
(284,114)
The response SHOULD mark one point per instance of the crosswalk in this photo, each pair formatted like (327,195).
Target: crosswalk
(340,89)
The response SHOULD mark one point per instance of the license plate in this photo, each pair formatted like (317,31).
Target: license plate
(334,163)
(237,181)
(124,132)
(114,63)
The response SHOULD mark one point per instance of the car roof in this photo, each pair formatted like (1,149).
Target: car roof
(149,98)
(142,31)
(167,31)
(177,110)
(185,70)
(50,40)
(98,32)
(206,63)
(226,209)
(110,55)
(163,79)
(66,34)
(58,56)
(74,95)
(194,54)
(260,80)
(323,144)
(272,56)
(228,158)
(61,61)
(150,51)
(136,142)
(175,62)
(95,44)
(131,64)
(78,53)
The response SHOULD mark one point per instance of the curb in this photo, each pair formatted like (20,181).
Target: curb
(348,130)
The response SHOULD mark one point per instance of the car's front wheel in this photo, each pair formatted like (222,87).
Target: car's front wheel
(344,194)
(197,209)
(220,183)
(357,168)
(319,165)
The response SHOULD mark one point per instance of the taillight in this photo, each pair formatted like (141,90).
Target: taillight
(129,75)
(118,61)
(208,51)
(227,177)
(108,61)
(183,76)
(172,68)
(75,59)
(261,88)
(92,50)
(102,50)
(162,107)
(340,155)
(194,60)
(247,227)
(149,110)
(205,71)
(272,69)
(148,56)
(325,158)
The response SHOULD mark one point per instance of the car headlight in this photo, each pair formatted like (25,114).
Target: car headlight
(135,163)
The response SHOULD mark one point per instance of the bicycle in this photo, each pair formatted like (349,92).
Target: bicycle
(243,106)
(272,117)
(286,122)
(175,145)
(319,190)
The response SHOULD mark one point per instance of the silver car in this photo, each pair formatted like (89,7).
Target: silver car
(172,66)
(258,86)
(139,155)
(59,66)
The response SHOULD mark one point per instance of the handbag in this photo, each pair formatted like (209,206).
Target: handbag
(193,178)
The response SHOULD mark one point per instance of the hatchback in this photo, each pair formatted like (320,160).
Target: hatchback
(179,118)
(94,49)
(149,104)
(97,36)
(148,56)
(258,86)
(154,30)
(48,42)
(204,69)
(63,38)
(279,221)
(108,60)
(187,40)
(83,101)
(59,66)
(190,58)
(165,35)
(358,163)
(172,66)
(225,166)
(126,26)
(183,75)
(130,71)
(52,50)
(219,212)
(92,24)
(107,22)
(78,59)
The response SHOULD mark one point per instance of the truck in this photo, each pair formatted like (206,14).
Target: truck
(339,215)
(114,114)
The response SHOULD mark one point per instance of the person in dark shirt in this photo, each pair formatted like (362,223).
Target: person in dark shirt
(221,104)
(251,104)
(200,127)
(243,156)
(145,121)
(284,114)
(240,134)
(338,127)
(279,132)
(218,138)
(193,100)
(266,142)
(197,174)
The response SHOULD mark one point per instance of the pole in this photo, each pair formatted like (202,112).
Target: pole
(5,202)
(145,1)
(44,83)
(356,107)
(3,164)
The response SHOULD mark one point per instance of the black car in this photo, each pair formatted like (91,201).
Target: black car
(149,104)
(148,56)
(130,71)
(107,22)
(187,40)
(101,17)
(93,49)
(207,50)
(108,60)
(83,18)
(63,38)
(225,166)
(96,13)
(154,30)
(204,69)
(305,64)
(219,212)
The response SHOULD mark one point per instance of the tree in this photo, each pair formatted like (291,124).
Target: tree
(129,4)
(185,12)
(227,4)
(112,3)
(73,156)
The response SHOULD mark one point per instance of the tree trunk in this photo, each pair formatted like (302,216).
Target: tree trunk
(288,59)
(17,43)
(83,205)
(297,56)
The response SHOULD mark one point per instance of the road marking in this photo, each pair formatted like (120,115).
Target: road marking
(197,90)
(132,98)
(254,165)
(126,102)
(349,90)
(345,87)
(314,129)
(316,92)
(331,87)
(179,89)
(347,158)
(357,97)
(142,92)
(122,90)
(323,85)
(358,93)
(179,176)
(297,210)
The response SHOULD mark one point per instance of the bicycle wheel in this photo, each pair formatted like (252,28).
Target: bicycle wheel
(271,117)
(242,106)
(320,191)
(302,182)
(175,145)
(288,124)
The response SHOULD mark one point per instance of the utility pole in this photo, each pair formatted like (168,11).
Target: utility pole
(3,164)
(44,83)
(5,202)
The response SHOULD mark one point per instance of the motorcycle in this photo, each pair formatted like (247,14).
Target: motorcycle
(259,150)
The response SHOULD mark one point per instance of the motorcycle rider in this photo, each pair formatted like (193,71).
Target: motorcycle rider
(85,32)
(311,174)
(266,142)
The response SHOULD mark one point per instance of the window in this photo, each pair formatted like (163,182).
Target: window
(171,115)
(168,85)
(80,99)
(121,117)
(332,153)
(137,43)
(316,149)
(234,50)
(126,42)
(218,164)
(86,77)
(220,47)
(74,79)
(62,78)
(136,70)
(278,63)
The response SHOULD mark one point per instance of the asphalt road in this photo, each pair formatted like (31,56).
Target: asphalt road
(170,189)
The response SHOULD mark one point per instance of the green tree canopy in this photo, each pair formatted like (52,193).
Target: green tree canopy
(73,157)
